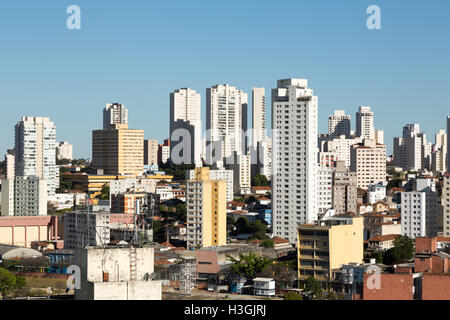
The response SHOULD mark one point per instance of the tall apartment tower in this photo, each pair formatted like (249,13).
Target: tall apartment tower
(118,150)
(364,123)
(339,124)
(10,164)
(446,205)
(294,156)
(35,151)
(150,152)
(114,113)
(421,210)
(258,115)
(261,143)
(368,160)
(439,154)
(206,210)
(344,189)
(379,136)
(164,152)
(64,150)
(448,144)
(409,149)
(226,118)
(185,126)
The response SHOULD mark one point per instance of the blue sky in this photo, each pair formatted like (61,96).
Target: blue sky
(136,52)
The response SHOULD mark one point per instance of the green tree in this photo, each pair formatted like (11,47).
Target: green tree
(312,285)
(21,282)
(259,180)
(178,171)
(258,230)
(249,265)
(377,255)
(157,228)
(104,193)
(181,212)
(251,199)
(283,275)
(231,223)
(402,251)
(291,295)
(242,225)
(393,183)
(268,243)
(63,161)
(7,282)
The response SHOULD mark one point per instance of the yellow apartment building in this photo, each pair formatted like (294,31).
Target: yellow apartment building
(326,246)
(206,211)
(118,150)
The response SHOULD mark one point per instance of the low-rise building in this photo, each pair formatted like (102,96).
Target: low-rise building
(82,229)
(264,287)
(335,241)
(23,230)
(376,192)
(261,190)
(382,243)
(117,273)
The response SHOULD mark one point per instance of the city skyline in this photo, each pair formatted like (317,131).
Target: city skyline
(381,69)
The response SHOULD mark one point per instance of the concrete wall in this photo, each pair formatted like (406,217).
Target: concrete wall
(136,290)
(346,243)
(392,287)
(95,262)
(116,262)
(206,262)
(435,287)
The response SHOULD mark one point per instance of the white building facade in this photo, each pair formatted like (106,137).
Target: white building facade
(226,118)
(35,151)
(364,123)
(114,113)
(339,124)
(185,118)
(64,150)
(294,157)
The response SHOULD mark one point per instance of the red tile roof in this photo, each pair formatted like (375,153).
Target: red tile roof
(277,240)
(385,237)
(167,244)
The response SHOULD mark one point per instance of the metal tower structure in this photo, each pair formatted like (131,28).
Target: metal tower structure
(187,276)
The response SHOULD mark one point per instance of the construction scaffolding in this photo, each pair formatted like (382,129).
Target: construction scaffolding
(187,276)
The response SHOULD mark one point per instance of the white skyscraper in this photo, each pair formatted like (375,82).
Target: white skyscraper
(364,123)
(10,164)
(439,153)
(339,124)
(324,189)
(409,150)
(379,136)
(448,143)
(64,150)
(226,119)
(261,152)
(421,210)
(35,151)
(258,115)
(341,147)
(114,113)
(185,114)
(294,156)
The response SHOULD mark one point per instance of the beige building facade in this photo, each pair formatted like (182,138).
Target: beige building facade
(118,150)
